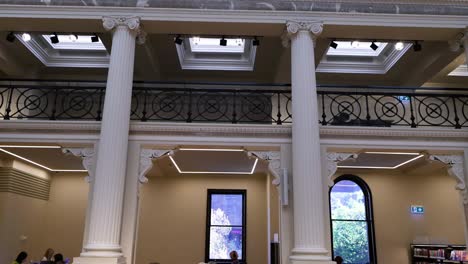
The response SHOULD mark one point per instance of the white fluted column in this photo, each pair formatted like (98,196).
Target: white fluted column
(309,240)
(103,244)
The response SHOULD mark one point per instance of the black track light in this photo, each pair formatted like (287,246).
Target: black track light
(256,42)
(10,37)
(54,39)
(95,38)
(178,40)
(374,46)
(417,46)
(333,44)
(223,42)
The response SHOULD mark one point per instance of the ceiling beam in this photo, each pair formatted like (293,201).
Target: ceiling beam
(9,64)
(430,65)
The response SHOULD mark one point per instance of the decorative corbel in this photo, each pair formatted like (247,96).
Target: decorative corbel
(146,161)
(332,163)
(274,163)
(87,156)
(455,169)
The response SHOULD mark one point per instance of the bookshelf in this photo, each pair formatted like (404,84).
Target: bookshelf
(426,254)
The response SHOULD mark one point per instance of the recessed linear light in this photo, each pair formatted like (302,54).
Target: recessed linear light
(203,149)
(37,164)
(383,168)
(29,146)
(392,153)
(213,172)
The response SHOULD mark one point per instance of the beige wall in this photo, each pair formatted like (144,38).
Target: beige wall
(173,217)
(395,228)
(56,223)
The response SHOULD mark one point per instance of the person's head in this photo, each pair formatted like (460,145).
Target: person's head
(21,257)
(338,260)
(233,254)
(58,258)
(49,253)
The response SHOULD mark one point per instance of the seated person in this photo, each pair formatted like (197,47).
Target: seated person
(234,257)
(21,258)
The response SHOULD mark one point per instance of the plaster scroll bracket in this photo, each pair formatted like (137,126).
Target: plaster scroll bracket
(455,169)
(274,163)
(87,156)
(333,158)
(146,161)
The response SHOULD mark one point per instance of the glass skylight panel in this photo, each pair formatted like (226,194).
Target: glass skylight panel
(75,42)
(356,48)
(211,45)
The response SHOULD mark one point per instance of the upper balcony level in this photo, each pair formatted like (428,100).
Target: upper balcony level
(238,104)
(420,7)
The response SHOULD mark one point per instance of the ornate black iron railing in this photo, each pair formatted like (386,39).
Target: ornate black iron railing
(238,103)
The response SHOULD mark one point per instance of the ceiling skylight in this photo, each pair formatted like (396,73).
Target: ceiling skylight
(211,45)
(357,48)
(360,58)
(198,53)
(67,50)
(75,42)
(460,71)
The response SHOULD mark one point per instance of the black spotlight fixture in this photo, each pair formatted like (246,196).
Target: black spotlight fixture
(178,40)
(54,39)
(256,42)
(95,38)
(223,42)
(374,46)
(10,37)
(417,46)
(333,44)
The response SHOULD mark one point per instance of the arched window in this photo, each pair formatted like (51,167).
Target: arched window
(351,221)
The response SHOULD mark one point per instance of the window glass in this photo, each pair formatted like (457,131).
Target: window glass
(352,229)
(226,224)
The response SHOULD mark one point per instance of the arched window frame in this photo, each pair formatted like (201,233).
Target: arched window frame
(369,214)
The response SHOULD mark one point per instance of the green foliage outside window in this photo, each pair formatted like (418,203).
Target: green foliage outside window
(349,225)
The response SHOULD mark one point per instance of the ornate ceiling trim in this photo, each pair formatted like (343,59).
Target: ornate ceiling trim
(397,19)
(19,127)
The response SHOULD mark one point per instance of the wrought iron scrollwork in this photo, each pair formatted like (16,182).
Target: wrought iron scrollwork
(237,105)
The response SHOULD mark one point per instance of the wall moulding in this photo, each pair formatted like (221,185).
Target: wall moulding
(397,19)
(90,130)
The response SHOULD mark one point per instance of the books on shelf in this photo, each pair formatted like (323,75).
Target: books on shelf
(425,254)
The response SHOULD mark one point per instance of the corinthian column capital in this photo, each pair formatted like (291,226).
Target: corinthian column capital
(131,23)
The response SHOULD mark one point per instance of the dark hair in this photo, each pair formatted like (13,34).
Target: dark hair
(21,256)
(58,258)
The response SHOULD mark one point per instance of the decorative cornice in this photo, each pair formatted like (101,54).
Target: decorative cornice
(455,169)
(332,163)
(146,161)
(87,155)
(132,23)
(274,163)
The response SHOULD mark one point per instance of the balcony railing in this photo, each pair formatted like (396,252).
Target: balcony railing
(238,103)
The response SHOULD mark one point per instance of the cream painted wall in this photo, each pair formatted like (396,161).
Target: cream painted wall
(66,213)
(57,223)
(395,228)
(20,216)
(173,217)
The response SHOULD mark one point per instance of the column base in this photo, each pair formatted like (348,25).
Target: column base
(310,256)
(99,260)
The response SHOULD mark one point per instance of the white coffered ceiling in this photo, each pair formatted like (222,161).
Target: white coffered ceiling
(158,58)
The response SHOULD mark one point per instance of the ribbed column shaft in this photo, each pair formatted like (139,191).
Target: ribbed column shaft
(307,179)
(107,203)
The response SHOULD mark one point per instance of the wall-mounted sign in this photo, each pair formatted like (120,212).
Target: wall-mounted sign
(417,209)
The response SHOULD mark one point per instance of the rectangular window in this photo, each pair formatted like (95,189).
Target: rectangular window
(225,225)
